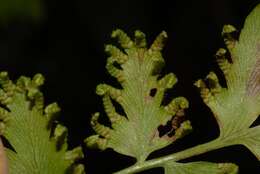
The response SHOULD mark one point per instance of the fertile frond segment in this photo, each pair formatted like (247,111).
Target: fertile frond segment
(136,68)
(237,106)
(229,39)
(40,146)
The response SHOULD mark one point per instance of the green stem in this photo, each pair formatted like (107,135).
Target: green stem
(159,162)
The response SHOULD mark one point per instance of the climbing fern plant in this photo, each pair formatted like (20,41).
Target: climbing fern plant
(136,134)
(38,142)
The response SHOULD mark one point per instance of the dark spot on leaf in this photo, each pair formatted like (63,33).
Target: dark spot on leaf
(171,125)
(153,92)
(164,129)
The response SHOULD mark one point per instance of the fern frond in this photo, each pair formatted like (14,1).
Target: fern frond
(40,144)
(136,134)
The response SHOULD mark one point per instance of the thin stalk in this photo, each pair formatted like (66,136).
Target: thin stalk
(159,162)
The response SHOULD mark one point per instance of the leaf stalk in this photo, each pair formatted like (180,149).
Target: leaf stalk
(187,153)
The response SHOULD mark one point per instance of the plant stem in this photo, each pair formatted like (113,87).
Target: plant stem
(159,162)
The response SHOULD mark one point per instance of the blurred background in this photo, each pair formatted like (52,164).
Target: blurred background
(64,40)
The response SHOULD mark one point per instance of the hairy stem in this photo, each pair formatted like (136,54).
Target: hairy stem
(159,162)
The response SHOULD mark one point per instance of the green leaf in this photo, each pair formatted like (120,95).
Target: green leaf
(200,167)
(39,146)
(236,106)
(136,68)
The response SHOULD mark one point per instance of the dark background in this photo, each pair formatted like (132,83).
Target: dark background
(67,44)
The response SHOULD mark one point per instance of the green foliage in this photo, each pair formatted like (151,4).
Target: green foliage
(136,134)
(236,107)
(40,145)
(28,126)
